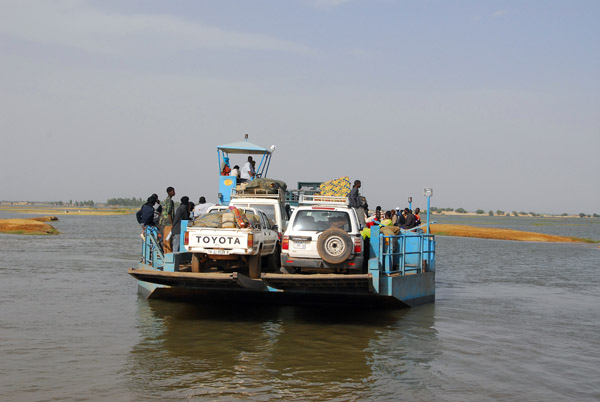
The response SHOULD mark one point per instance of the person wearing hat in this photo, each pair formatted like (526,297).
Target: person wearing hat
(182,213)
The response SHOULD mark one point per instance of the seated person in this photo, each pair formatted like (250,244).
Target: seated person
(235,171)
(226,169)
(417,216)
(386,219)
(377,216)
(410,221)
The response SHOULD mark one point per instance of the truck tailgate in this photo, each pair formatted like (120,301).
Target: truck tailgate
(217,239)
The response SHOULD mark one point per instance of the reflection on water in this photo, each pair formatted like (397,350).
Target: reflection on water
(287,353)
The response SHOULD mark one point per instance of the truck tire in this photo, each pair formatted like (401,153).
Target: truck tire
(334,246)
(195,262)
(274,260)
(254,267)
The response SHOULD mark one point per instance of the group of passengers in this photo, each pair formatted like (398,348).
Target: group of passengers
(404,219)
(246,173)
(165,220)
(392,221)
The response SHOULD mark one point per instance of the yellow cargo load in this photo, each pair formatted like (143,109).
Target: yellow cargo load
(338,188)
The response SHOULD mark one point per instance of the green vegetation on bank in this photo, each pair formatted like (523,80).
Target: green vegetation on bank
(136,202)
(128,202)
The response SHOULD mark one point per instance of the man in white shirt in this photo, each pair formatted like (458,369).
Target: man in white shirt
(202,207)
(247,172)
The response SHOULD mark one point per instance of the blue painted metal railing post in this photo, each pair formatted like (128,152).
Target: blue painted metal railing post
(428,192)
(184,226)
(421,249)
(219,159)
(151,252)
(403,255)
(374,257)
(386,252)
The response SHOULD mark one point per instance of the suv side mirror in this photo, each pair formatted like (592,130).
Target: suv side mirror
(275,228)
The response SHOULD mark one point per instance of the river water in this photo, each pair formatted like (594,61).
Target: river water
(511,321)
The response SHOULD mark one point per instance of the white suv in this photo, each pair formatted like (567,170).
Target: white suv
(323,235)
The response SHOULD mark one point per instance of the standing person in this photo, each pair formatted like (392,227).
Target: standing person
(356,202)
(145,216)
(191,209)
(247,172)
(157,210)
(166,219)
(202,207)
(182,213)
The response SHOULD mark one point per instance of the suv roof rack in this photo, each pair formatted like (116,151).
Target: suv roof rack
(306,199)
(280,195)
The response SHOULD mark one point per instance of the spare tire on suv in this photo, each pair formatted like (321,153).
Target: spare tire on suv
(334,246)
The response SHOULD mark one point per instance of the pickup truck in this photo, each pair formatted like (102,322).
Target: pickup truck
(216,248)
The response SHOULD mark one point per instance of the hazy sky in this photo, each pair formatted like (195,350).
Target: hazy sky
(494,104)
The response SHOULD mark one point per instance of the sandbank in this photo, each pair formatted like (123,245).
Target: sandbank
(44,218)
(500,234)
(26,226)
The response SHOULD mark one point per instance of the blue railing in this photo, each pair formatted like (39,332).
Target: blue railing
(151,250)
(407,253)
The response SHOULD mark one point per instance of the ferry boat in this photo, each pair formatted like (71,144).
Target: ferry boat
(400,271)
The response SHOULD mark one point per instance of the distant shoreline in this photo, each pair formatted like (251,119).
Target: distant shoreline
(56,210)
(453,213)
(123,210)
(32,207)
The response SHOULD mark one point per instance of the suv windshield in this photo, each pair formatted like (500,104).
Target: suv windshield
(317,220)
